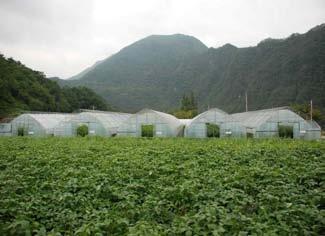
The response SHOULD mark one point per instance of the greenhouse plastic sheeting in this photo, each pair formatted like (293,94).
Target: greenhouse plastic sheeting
(197,126)
(165,125)
(38,124)
(99,123)
(258,124)
(265,123)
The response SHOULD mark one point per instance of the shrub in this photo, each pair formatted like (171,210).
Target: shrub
(213,130)
(82,130)
(285,131)
(147,130)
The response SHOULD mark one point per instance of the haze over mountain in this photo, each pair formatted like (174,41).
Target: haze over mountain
(156,71)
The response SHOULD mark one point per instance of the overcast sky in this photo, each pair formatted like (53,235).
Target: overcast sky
(63,37)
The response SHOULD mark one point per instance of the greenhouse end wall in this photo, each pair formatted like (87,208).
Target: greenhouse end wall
(28,126)
(197,127)
(165,125)
(98,123)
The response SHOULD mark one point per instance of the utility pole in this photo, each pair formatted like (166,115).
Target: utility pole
(246,101)
(311,109)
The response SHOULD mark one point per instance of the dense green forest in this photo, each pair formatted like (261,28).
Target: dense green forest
(23,89)
(156,71)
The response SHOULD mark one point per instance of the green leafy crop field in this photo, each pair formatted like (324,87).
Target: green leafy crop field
(101,186)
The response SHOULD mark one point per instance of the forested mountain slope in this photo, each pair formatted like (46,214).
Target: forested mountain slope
(23,89)
(156,71)
(141,74)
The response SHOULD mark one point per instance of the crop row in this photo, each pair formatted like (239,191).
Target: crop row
(88,186)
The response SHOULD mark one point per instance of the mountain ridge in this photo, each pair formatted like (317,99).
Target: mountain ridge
(157,70)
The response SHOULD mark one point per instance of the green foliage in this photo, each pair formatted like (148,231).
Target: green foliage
(180,114)
(304,111)
(100,186)
(82,97)
(23,89)
(147,130)
(188,102)
(82,130)
(213,130)
(285,131)
(189,108)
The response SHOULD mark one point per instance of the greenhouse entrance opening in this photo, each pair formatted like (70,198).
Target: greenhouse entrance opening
(213,130)
(147,130)
(82,130)
(249,133)
(21,131)
(285,131)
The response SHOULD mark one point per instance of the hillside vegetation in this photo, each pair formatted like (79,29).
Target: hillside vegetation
(156,71)
(142,74)
(100,186)
(22,89)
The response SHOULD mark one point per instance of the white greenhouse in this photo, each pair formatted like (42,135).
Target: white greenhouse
(206,124)
(37,124)
(271,123)
(99,123)
(150,123)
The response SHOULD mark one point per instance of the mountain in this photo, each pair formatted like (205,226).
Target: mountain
(156,71)
(137,76)
(274,73)
(23,89)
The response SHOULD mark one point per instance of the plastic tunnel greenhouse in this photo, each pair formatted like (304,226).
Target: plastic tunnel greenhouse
(269,123)
(99,123)
(150,123)
(199,126)
(38,124)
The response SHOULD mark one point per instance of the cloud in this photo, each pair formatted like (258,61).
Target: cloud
(62,37)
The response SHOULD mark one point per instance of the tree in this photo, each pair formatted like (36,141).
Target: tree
(188,102)
(188,107)
(304,111)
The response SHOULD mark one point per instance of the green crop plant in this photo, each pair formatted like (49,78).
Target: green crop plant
(129,186)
